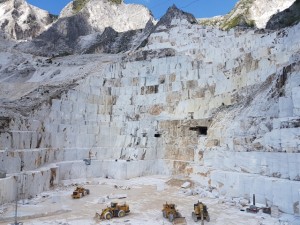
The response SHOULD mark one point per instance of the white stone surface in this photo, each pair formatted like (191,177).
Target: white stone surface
(148,115)
(121,17)
(262,16)
(27,13)
(277,192)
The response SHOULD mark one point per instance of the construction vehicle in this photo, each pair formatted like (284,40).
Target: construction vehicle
(253,209)
(169,211)
(114,210)
(200,212)
(80,192)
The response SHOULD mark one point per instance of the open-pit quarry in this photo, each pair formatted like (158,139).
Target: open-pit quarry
(219,109)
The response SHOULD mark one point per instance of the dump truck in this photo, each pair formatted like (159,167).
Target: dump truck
(114,210)
(80,192)
(170,212)
(200,212)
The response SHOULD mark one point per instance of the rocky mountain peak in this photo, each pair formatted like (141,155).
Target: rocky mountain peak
(174,13)
(21,20)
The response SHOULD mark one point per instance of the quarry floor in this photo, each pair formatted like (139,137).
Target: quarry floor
(145,197)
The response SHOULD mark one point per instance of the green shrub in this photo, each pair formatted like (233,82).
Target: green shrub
(251,23)
(79,4)
(116,1)
(232,23)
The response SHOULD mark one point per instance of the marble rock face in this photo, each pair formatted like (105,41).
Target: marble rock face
(220,106)
(22,21)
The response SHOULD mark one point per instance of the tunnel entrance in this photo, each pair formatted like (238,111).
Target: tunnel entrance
(157,135)
(200,130)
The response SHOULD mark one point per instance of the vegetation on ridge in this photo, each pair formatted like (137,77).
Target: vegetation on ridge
(239,20)
(239,16)
(79,4)
(116,1)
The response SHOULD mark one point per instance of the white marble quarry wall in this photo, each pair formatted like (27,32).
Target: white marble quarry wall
(243,86)
(113,169)
(28,184)
(32,159)
(272,177)
(268,191)
(29,159)
(7,189)
(269,164)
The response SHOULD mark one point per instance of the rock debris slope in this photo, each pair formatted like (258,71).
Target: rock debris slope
(219,106)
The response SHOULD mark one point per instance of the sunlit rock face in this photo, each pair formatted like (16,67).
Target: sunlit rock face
(82,29)
(261,16)
(219,106)
(287,17)
(22,21)
(107,13)
(250,13)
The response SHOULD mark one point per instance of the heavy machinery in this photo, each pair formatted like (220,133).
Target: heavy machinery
(170,212)
(200,212)
(114,210)
(253,209)
(80,192)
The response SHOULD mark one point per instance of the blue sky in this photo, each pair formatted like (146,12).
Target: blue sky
(199,8)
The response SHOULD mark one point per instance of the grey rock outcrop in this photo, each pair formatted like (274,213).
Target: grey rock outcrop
(174,13)
(59,39)
(111,41)
(288,17)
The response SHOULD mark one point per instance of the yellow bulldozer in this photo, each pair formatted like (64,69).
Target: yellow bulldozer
(80,192)
(200,212)
(114,210)
(170,212)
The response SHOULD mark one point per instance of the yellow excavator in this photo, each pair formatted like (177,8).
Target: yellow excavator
(80,192)
(170,212)
(114,210)
(200,212)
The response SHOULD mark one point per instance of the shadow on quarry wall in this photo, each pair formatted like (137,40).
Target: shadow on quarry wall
(60,39)
(287,17)
(4,124)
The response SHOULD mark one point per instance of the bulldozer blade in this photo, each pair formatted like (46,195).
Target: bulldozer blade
(97,216)
(179,221)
